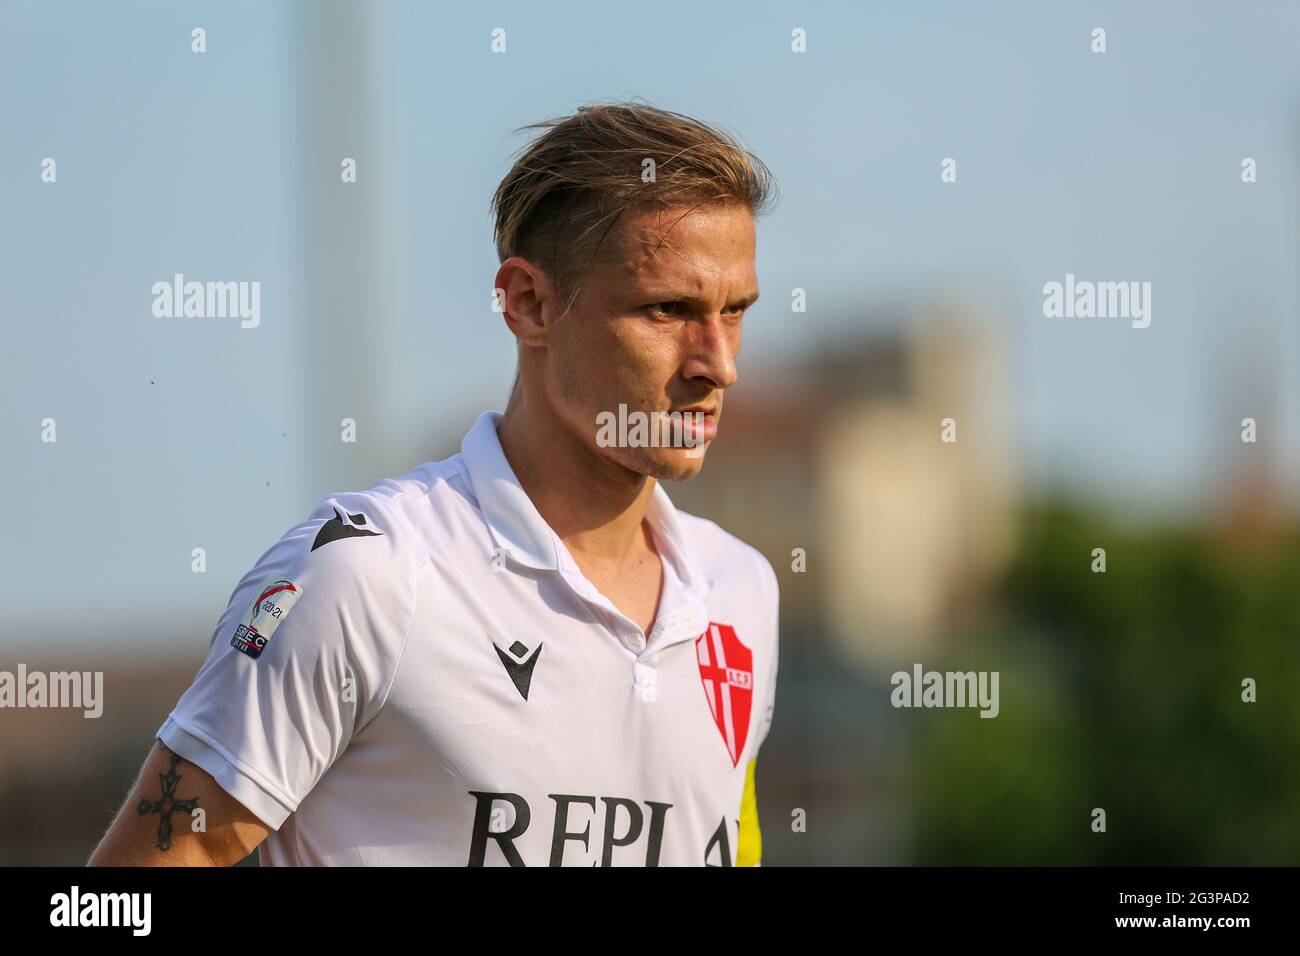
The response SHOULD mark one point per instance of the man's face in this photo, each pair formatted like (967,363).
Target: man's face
(656,329)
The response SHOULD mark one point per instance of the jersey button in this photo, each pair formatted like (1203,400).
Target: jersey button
(644,680)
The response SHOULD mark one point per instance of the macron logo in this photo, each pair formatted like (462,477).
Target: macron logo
(337,528)
(518,667)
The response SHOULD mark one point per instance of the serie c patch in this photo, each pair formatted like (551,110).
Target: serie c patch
(275,598)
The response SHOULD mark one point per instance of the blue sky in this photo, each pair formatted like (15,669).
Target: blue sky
(174,434)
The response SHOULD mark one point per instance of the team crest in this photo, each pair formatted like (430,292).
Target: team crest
(274,599)
(727,672)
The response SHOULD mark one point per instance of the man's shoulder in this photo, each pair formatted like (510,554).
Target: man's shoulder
(387,524)
(368,533)
(723,556)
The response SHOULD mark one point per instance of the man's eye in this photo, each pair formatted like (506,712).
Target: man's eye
(667,308)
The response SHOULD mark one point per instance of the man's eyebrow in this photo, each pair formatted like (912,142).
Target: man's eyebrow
(669,296)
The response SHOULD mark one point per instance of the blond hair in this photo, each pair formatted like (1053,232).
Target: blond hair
(569,186)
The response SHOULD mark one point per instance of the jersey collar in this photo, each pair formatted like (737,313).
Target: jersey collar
(511,517)
(520,531)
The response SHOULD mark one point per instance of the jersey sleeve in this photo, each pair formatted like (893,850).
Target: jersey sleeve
(303,657)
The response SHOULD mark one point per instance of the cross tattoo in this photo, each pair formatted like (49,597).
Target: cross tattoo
(167,804)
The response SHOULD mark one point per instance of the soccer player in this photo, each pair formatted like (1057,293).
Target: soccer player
(523,654)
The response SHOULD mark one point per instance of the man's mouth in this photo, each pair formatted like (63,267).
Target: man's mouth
(698,425)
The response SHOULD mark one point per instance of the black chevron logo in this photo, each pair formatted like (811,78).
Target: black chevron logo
(519,668)
(336,528)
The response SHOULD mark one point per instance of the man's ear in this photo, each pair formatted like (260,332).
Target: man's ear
(523,292)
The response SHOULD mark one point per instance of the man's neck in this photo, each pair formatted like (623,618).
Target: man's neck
(594,505)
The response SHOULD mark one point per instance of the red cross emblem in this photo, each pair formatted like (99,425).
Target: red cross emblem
(727,672)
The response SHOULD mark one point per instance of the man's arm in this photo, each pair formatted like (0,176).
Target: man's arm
(155,827)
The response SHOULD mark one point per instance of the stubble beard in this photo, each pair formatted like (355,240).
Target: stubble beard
(642,461)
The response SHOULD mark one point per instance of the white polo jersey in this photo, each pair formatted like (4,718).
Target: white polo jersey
(420,674)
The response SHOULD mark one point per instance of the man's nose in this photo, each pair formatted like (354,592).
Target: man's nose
(712,349)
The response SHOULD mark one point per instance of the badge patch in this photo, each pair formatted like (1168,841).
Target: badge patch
(727,671)
(275,598)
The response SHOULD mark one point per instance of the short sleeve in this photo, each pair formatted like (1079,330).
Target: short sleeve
(303,656)
(767,694)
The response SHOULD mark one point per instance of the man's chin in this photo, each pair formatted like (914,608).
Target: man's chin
(671,464)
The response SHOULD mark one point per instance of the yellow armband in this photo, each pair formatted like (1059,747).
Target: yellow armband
(749,846)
